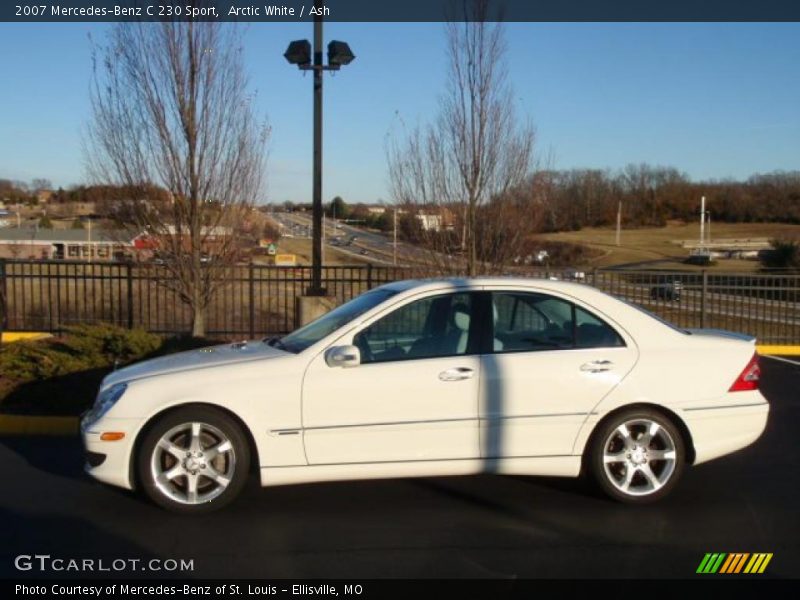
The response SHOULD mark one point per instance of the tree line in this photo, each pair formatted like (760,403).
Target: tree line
(567,199)
(652,195)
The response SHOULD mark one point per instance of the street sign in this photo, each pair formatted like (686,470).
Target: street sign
(285,260)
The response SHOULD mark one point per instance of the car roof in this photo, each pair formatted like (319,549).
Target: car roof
(422,285)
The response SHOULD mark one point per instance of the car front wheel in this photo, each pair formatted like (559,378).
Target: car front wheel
(193,460)
(637,456)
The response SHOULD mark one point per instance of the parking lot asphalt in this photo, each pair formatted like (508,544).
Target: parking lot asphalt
(483,526)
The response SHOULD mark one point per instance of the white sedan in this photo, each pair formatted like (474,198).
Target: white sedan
(433,378)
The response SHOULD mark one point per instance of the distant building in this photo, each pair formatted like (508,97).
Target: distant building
(430,222)
(43,196)
(65,244)
(147,244)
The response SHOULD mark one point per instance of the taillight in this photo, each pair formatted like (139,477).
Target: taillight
(748,378)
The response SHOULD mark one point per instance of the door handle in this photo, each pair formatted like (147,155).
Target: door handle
(456,374)
(597,366)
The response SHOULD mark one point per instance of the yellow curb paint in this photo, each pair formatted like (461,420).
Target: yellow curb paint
(778,349)
(23,336)
(26,425)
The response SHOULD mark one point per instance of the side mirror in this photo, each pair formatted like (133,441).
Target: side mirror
(343,356)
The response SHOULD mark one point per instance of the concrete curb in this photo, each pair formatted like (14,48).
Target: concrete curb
(779,350)
(29,425)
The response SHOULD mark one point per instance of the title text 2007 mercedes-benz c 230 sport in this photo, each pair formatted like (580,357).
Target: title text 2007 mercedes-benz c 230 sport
(434,377)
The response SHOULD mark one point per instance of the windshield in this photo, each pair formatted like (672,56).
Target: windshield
(310,334)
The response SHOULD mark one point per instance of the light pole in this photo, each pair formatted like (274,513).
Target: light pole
(339,54)
(709,226)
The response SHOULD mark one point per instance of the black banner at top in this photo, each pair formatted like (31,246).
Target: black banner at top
(397,10)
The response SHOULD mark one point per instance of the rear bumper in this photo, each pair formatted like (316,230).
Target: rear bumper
(732,423)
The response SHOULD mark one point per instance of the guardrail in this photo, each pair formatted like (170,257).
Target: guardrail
(259,300)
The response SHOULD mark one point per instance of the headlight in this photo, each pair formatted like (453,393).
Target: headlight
(105,400)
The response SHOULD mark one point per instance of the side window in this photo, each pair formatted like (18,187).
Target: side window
(525,322)
(427,328)
(591,332)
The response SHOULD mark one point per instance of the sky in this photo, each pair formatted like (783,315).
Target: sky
(713,100)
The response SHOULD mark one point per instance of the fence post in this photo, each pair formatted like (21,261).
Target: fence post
(369,276)
(3,313)
(129,277)
(704,301)
(252,301)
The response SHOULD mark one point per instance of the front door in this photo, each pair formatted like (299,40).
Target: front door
(414,397)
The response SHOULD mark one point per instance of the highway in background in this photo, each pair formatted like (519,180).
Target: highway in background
(720,303)
(369,245)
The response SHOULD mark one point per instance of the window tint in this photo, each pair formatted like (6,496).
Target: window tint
(592,332)
(529,322)
(431,327)
(524,322)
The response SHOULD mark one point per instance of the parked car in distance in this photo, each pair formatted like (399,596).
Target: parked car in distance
(434,378)
(670,290)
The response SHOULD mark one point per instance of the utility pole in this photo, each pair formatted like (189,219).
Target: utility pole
(702,221)
(619,221)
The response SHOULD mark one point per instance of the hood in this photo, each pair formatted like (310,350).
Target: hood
(211,356)
(721,333)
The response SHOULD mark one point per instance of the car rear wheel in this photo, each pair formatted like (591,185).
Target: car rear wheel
(193,460)
(637,456)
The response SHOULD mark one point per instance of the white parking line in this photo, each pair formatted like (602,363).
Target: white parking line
(786,360)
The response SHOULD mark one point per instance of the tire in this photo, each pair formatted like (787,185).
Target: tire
(193,460)
(625,468)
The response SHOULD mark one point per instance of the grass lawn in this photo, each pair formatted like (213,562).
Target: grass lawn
(663,243)
(301,247)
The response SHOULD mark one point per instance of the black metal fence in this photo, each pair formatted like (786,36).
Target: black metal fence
(260,300)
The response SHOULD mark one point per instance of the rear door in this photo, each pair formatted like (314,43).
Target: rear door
(551,362)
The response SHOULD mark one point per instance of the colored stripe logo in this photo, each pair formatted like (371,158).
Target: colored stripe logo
(734,563)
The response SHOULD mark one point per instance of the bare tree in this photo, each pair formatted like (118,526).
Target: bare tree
(463,165)
(38,185)
(172,120)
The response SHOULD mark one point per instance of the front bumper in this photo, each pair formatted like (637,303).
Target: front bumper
(115,467)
